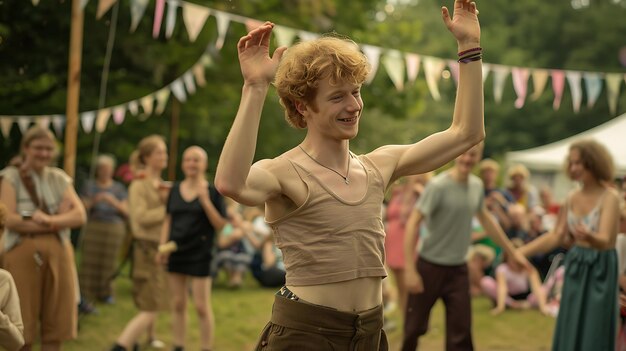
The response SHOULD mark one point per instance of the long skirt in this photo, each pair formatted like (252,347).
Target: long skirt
(100,251)
(587,317)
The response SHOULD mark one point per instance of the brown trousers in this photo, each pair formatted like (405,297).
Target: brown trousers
(451,284)
(297,325)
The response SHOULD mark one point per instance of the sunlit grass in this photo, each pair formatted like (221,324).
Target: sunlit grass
(241,314)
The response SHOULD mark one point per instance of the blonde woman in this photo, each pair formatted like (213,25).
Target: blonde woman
(42,206)
(146,216)
(587,318)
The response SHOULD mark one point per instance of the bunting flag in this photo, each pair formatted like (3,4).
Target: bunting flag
(190,85)
(119,112)
(558,85)
(103,7)
(520,84)
(613,81)
(194,17)
(83,3)
(593,86)
(198,73)
(284,35)
(433,67)
(178,90)
(394,64)
(453,65)
(500,73)
(486,70)
(223,21)
(573,79)
(5,125)
(44,122)
(87,119)
(162,96)
(412,66)
(133,107)
(35,2)
(540,78)
(147,104)
(58,122)
(170,18)
(307,36)
(23,122)
(158,18)
(137,9)
(102,119)
(373,57)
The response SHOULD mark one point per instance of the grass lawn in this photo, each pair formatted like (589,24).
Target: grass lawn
(241,314)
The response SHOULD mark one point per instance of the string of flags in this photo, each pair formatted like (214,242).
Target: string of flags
(402,68)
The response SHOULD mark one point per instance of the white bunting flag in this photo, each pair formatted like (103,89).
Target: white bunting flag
(573,79)
(58,122)
(87,120)
(500,73)
(307,36)
(394,65)
(178,90)
(194,17)
(23,122)
(284,35)
(162,96)
(593,86)
(137,10)
(373,57)
(486,70)
(223,21)
(190,84)
(433,67)
(453,65)
(83,3)
(170,18)
(133,107)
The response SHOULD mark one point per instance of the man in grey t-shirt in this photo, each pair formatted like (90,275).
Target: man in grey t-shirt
(447,206)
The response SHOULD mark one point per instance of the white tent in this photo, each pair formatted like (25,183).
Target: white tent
(546,162)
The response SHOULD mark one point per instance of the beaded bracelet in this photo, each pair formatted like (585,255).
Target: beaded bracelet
(470,50)
(471,59)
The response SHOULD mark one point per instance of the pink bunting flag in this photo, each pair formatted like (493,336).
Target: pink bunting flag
(119,112)
(558,85)
(412,66)
(158,18)
(520,84)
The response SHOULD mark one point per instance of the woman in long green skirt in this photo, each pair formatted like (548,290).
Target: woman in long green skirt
(589,220)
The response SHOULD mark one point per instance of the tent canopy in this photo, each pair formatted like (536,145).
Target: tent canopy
(551,157)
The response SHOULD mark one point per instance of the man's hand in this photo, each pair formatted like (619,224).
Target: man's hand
(257,67)
(413,281)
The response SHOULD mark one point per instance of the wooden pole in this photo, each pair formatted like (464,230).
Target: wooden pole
(174,139)
(73,88)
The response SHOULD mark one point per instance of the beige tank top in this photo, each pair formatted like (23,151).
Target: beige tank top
(328,239)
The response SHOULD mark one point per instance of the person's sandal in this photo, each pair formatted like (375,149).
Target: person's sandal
(156,344)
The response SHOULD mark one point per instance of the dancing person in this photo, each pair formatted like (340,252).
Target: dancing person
(323,202)
(587,318)
(42,206)
(146,216)
(107,208)
(195,212)
(447,207)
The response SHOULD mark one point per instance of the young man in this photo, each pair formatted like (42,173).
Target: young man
(323,202)
(447,206)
